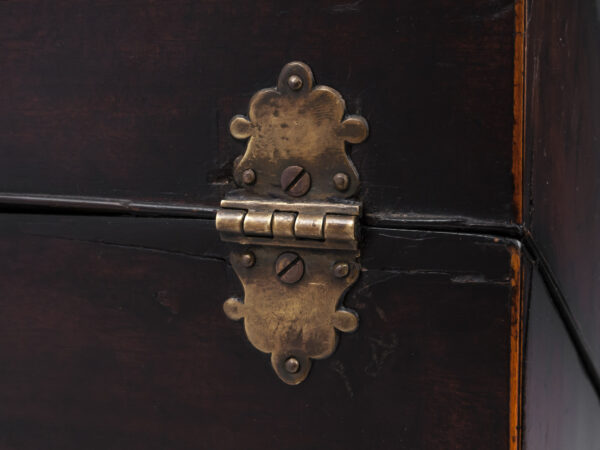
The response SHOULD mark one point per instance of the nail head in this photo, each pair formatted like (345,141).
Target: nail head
(249,176)
(248,259)
(292,365)
(295,82)
(341,181)
(341,270)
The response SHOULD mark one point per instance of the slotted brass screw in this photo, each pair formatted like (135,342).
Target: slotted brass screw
(295,181)
(289,267)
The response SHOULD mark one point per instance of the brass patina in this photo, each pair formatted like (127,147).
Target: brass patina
(294,222)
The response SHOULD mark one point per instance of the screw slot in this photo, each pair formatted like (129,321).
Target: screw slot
(289,267)
(295,181)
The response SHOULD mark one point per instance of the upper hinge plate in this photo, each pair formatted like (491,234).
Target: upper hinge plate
(295,220)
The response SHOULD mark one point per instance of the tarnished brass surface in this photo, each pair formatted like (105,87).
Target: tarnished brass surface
(340,228)
(296,228)
(251,203)
(293,320)
(258,223)
(283,225)
(303,127)
(307,224)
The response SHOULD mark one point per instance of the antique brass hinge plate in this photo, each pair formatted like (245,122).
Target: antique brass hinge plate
(294,221)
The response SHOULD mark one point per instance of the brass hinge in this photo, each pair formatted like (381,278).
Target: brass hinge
(279,223)
(295,221)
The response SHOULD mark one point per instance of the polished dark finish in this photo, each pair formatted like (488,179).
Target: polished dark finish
(42,203)
(562,361)
(132,99)
(562,141)
(561,408)
(109,342)
(113,332)
(570,323)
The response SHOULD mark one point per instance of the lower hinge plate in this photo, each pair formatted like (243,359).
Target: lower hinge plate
(290,307)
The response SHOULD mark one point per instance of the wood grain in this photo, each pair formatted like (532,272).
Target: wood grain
(113,336)
(561,408)
(519,109)
(132,99)
(563,128)
(520,270)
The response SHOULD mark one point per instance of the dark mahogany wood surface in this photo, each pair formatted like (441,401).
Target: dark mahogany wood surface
(132,99)
(113,336)
(563,144)
(561,408)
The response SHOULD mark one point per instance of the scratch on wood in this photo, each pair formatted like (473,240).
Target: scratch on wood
(368,286)
(338,367)
(170,303)
(408,238)
(212,258)
(381,313)
(346,7)
(389,274)
(503,12)
(477,279)
(380,351)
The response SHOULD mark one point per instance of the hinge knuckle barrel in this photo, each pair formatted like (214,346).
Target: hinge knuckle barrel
(283,225)
(230,221)
(309,226)
(341,228)
(258,223)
